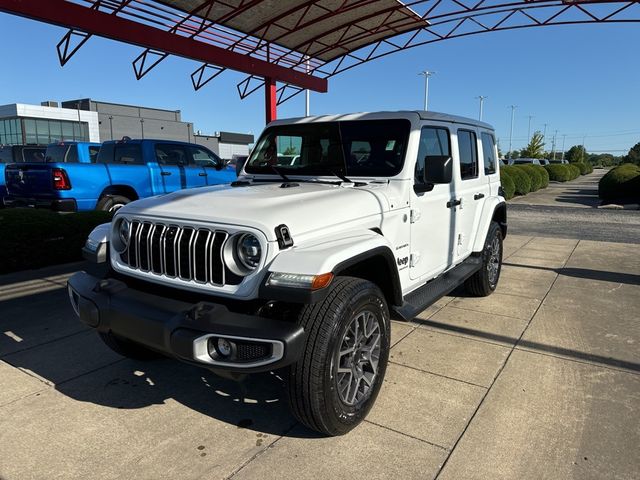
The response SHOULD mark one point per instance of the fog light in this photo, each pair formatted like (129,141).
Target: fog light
(224,347)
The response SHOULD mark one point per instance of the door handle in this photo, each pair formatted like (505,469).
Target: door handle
(453,203)
(203,174)
(165,173)
(478,196)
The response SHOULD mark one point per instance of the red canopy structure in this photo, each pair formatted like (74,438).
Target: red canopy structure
(299,44)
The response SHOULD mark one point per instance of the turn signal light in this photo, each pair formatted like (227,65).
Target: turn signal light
(296,280)
(60,179)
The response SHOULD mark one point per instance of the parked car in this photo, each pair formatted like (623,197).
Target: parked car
(120,172)
(17,154)
(563,162)
(296,266)
(527,161)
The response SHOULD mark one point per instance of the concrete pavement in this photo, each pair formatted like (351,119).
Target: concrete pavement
(539,380)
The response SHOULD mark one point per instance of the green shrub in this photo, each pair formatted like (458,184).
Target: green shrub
(574,171)
(507,184)
(535,177)
(544,175)
(521,180)
(584,167)
(558,172)
(621,183)
(37,238)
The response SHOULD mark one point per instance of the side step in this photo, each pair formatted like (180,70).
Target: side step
(430,292)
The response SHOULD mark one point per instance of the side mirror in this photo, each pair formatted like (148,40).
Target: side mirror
(438,169)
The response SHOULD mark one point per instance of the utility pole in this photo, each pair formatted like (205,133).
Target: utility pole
(529,130)
(482,99)
(564,137)
(544,135)
(513,111)
(427,74)
(553,149)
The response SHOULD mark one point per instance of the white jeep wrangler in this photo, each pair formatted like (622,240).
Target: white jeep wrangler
(334,222)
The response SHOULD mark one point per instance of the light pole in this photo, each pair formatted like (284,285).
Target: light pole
(111,125)
(513,111)
(544,135)
(564,137)
(553,148)
(482,99)
(142,127)
(426,74)
(529,131)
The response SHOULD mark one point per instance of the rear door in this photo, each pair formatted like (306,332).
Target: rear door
(472,189)
(126,166)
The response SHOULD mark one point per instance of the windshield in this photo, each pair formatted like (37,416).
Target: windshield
(368,148)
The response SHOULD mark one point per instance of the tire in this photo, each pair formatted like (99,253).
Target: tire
(127,348)
(111,203)
(320,397)
(484,281)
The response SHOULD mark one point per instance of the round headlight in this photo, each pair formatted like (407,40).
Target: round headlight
(122,234)
(249,251)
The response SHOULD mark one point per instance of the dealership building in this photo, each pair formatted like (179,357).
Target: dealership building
(94,121)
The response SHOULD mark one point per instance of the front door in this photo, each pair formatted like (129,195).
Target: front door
(432,218)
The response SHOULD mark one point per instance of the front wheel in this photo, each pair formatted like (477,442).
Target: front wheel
(485,280)
(336,381)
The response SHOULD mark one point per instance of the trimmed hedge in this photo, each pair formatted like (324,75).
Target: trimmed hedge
(507,184)
(621,183)
(585,168)
(37,238)
(536,178)
(574,171)
(544,175)
(558,172)
(520,179)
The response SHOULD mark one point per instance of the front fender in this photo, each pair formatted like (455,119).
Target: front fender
(336,254)
(488,210)
(324,254)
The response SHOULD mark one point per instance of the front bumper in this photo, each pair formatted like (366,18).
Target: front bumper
(57,204)
(184,330)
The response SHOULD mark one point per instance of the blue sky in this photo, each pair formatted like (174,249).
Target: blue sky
(580,80)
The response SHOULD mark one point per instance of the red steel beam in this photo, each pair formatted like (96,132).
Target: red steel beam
(271,99)
(70,15)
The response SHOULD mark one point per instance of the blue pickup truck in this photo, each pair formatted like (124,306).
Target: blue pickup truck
(17,154)
(73,178)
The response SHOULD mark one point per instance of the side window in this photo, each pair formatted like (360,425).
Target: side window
(32,155)
(204,158)
(434,142)
(171,154)
(128,154)
(489,152)
(93,154)
(468,148)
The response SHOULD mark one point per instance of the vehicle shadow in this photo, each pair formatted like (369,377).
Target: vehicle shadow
(587,273)
(41,335)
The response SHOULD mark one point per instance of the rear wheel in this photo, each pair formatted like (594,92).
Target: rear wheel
(127,348)
(336,381)
(112,203)
(485,280)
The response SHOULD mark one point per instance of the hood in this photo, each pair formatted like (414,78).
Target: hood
(303,207)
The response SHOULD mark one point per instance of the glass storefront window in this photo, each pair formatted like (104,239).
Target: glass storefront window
(43,131)
(55,130)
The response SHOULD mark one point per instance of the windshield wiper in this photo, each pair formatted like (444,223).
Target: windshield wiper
(279,172)
(341,176)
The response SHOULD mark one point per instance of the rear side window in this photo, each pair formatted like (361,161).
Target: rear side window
(127,154)
(489,152)
(93,153)
(171,154)
(468,149)
(105,155)
(434,142)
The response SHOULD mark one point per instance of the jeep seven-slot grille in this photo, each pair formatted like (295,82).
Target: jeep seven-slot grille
(187,253)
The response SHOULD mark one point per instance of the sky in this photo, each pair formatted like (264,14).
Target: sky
(583,81)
